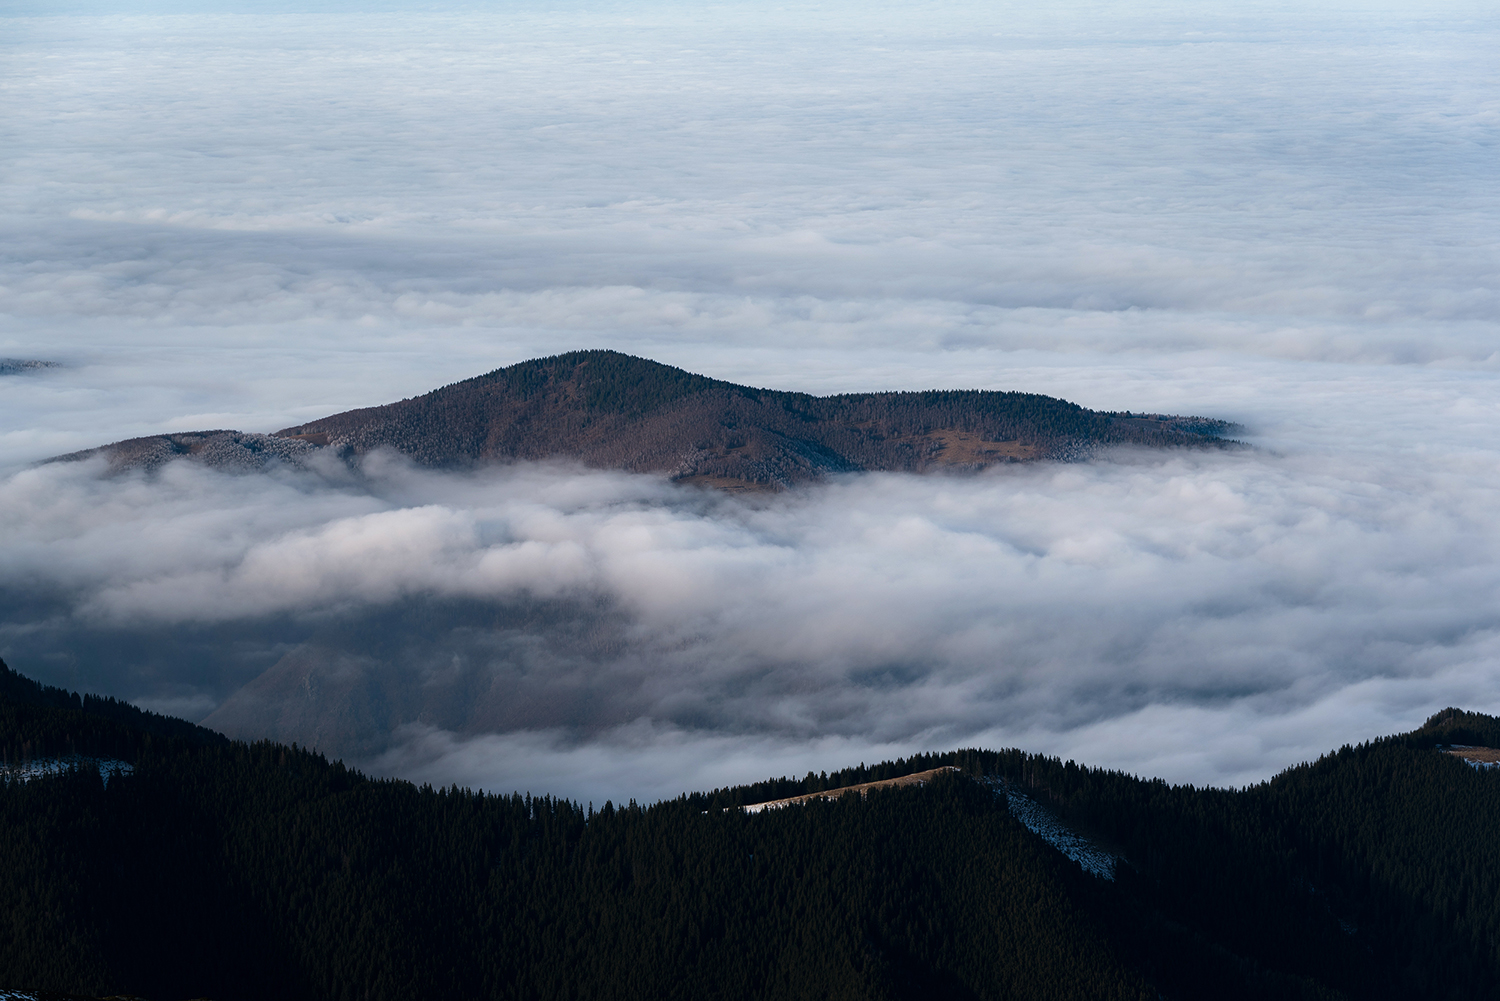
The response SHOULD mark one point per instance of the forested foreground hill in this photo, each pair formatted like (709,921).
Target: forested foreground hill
(230,870)
(615,411)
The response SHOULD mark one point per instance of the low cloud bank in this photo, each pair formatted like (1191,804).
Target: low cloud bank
(1206,617)
(1283,218)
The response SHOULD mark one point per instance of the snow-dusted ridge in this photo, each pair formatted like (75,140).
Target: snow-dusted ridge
(36,768)
(916,778)
(1477,757)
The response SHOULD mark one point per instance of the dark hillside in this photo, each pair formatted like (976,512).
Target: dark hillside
(1373,870)
(232,870)
(257,871)
(38,721)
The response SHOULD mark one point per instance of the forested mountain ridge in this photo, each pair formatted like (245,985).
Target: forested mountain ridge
(233,870)
(40,721)
(615,411)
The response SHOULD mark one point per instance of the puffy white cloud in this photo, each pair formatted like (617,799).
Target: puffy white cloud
(891,611)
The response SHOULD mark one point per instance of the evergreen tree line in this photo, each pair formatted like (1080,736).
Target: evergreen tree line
(40,721)
(230,870)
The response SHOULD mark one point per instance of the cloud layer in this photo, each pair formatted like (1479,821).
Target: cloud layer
(1055,603)
(1279,216)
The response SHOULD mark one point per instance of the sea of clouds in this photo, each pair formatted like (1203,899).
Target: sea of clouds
(1280,214)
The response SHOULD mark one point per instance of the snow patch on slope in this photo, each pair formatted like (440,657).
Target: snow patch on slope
(1040,820)
(1479,758)
(38,768)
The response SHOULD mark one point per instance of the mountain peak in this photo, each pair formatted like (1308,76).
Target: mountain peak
(601,380)
(611,410)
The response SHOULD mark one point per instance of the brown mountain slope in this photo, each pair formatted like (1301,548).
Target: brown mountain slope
(615,411)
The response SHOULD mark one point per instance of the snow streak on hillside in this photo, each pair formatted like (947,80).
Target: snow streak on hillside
(25,771)
(1041,821)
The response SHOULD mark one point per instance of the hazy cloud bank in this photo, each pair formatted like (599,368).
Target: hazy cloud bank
(1062,604)
(1273,214)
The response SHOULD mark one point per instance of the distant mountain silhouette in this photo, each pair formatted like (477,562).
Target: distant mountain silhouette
(615,411)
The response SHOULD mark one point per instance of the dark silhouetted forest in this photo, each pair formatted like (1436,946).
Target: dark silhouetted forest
(229,870)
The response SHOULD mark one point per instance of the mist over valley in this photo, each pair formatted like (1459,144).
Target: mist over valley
(272,221)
